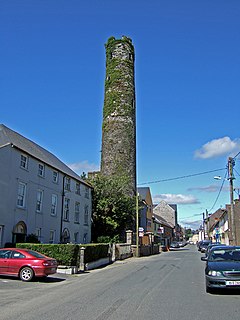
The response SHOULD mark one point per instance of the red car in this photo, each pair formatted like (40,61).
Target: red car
(25,264)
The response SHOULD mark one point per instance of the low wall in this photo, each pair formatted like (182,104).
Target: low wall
(123,251)
(98,263)
(147,250)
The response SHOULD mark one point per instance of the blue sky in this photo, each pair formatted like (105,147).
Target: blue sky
(187,75)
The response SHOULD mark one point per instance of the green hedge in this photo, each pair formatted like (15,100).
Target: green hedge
(69,254)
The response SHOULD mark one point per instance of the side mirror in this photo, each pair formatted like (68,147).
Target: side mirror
(204,258)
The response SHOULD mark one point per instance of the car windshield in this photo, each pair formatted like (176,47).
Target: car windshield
(223,255)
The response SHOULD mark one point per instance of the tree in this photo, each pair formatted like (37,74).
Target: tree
(113,208)
(188,233)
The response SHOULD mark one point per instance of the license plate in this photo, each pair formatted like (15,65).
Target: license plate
(233,283)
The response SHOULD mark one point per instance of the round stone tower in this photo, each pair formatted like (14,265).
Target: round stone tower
(119,112)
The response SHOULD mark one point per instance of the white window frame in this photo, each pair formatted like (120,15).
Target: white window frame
(55,176)
(41,169)
(52,236)
(39,200)
(77,212)
(76,237)
(24,162)
(86,215)
(66,209)
(21,198)
(67,183)
(54,205)
(38,233)
(78,188)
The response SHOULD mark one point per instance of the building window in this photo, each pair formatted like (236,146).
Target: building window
(55,176)
(78,190)
(86,215)
(39,200)
(67,183)
(85,238)
(66,209)
(21,194)
(24,162)
(52,236)
(38,234)
(76,236)
(41,170)
(66,236)
(86,192)
(54,205)
(77,212)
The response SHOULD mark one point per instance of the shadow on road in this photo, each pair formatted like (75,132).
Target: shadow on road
(225,292)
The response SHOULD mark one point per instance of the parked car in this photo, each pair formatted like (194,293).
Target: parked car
(213,245)
(203,245)
(25,264)
(222,268)
(174,245)
(182,243)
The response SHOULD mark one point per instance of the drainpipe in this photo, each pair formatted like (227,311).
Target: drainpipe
(62,209)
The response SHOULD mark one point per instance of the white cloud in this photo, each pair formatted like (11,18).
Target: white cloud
(84,166)
(210,188)
(194,225)
(218,147)
(175,198)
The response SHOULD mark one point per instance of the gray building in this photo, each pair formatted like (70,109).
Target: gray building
(40,195)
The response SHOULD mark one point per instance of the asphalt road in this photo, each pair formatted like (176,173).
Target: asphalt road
(168,286)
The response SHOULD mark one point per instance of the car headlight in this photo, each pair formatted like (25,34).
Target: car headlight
(214,273)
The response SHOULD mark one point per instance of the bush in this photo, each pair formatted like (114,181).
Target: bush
(65,254)
(69,254)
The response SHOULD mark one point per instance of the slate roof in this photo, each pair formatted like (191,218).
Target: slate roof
(10,137)
(143,191)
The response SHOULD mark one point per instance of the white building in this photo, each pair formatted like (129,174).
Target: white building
(40,195)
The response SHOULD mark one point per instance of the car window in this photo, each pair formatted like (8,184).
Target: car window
(17,255)
(36,254)
(220,255)
(5,254)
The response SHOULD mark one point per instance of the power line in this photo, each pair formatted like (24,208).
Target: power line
(220,190)
(236,155)
(181,177)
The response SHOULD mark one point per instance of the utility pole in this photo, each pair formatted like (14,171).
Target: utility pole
(137,227)
(203,226)
(207,224)
(231,227)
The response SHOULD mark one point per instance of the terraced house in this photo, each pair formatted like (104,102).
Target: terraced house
(40,195)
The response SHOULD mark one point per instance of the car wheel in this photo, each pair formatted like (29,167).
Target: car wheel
(26,274)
